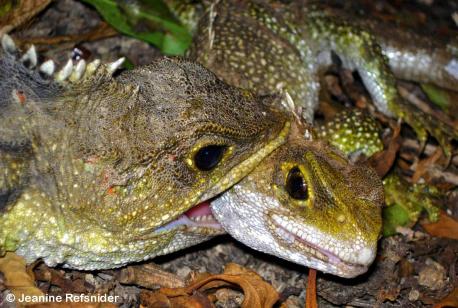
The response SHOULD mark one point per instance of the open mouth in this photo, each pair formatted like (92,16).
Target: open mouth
(197,218)
(293,237)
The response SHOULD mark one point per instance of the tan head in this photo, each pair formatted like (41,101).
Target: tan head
(181,137)
(118,161)
(308,204)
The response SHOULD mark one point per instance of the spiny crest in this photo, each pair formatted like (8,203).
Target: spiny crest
(69,73)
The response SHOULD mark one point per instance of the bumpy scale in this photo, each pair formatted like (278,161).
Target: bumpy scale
(98,171)
(307,203)
(253,45)
(335,225)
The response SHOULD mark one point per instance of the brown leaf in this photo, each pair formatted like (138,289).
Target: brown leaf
(310,297)
(56,278)
(450,301)
(103,30)
(383,161)
(73,305)
(21,13)
(258,293)
(446,226)
(17,279)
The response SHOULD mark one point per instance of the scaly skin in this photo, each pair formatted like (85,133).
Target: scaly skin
(356,132)
(253,45)
(98,180)
(333,226)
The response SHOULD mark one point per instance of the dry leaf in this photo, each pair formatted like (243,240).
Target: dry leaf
(157,299)
(73,305)
(21,13)
(450,301)
(446,226)
(149,276)
(383,161)
(258,293)
(17,279)
(22,283)
(103,30)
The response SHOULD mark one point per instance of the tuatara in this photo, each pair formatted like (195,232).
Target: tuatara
(256,45)
(307,203)
(284,48)
(98,171)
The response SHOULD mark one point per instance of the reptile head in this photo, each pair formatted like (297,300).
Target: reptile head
(130,155)
(182,137)
(308,204)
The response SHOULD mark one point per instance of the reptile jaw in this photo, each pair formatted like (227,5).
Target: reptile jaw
(291,237)
(198,219)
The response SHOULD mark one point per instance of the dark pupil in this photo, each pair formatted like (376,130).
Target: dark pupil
(295,185)
(208,157)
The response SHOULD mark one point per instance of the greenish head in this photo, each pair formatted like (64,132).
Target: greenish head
(117,162)
(309,204)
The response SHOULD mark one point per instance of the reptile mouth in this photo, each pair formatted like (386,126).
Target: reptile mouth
(291,237)
(198,219)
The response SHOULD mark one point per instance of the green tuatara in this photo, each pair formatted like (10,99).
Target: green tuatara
(270,48)
(307,203)
(256,46)
(98,171)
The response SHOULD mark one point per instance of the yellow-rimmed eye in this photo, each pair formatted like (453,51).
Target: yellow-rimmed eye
(208,157)
(295,185)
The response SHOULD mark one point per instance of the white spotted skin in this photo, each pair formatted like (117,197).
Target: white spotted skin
(333,225)
(233,208)
(73,245)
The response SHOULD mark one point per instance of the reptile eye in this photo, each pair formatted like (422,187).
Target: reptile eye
(295,185)
(209,157)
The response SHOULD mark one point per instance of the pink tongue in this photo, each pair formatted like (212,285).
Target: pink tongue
(202,209)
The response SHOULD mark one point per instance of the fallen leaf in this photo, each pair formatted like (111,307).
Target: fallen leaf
(446,227)
(57,278)
(383,161)
(258,293)
(73,305)
(450,301)
(17,279)
(149,276)
(16,13)
(158,299)
(103,30)
(423,165)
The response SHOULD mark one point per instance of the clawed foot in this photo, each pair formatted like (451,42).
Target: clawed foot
(439,125)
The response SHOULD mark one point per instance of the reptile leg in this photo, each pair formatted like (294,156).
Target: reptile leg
(359,50)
